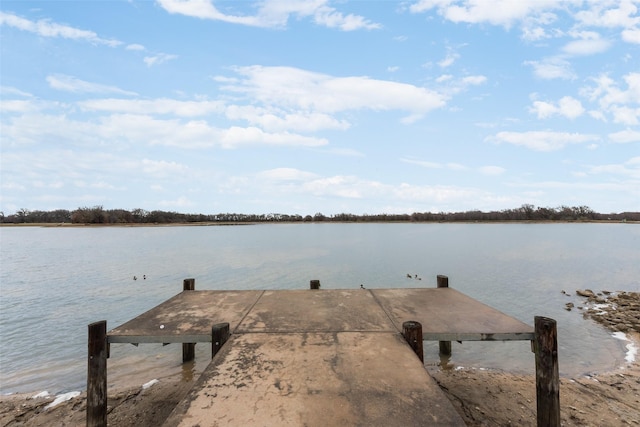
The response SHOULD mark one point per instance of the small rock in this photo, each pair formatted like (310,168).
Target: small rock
(587,293)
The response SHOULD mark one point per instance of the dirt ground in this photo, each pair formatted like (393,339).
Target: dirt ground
(482,397)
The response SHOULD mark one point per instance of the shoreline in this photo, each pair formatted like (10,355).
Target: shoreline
(231,223)
(482,397)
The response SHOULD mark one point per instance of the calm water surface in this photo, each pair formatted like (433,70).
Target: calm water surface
(55,281)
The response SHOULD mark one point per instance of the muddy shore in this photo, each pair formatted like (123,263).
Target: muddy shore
(482,397)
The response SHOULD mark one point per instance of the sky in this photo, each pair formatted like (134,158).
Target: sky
(319,106)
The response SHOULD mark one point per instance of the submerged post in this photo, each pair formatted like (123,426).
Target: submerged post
(314,284)
(188,348)
(97,375)
(219,336)
(412,332)
(547,376)
(445,346)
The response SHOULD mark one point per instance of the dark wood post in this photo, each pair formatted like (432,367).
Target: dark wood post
(443,281)
(188,348)
(445,346)
(412,332)
(97,375)
(189,285)
(219,336)
(314,284)
(547,376)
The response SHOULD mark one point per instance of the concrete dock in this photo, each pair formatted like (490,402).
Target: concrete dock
(317,357)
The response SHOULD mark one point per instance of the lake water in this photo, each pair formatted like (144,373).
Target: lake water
(56,280)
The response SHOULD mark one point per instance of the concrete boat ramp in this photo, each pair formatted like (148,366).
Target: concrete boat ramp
(337,357)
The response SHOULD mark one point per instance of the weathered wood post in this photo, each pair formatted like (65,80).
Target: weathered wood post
(97,375)
(189,285)
(314,284)
(219,336)
(412,332)
(188,348)
(547,376)
(445,346)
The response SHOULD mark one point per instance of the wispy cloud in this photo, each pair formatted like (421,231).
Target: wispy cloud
(286,174)
(552,68)
(161,106)
(537,18)
(135,46)
(73,84)
(46,28)
(586,43)
(625,136)
(499,12)
(293,88)
(542,140)
(158,59)
(273,14)
(12,91)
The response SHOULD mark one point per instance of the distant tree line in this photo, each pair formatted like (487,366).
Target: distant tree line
(99,215)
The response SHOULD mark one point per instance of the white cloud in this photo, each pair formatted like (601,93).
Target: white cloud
(631,36)
(587,43)
(440,194)
(625,136)
(625,115)
(158,59)
(433,165)
(161,168)
(348,187)
(424,164)
(275,119)
(536,17)
(135,46)
(273,14)
(542,140)
(609,14)
(72,84)
(286,174)
(496,12)
(156,106)
(552,68)
(237,136)
(12,91)
(180,202)
(141,130)
(449,60)
(629,169)
(26,106)
(194,134)
(292,88)
(620,103)
(567,106)
(46,28)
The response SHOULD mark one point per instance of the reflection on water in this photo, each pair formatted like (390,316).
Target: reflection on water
(55,281)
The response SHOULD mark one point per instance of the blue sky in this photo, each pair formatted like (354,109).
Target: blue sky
(203,106)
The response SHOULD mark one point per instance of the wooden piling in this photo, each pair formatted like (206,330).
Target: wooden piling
(445,346)
(97,375)
(412,332)
(189,285)
(188,348)
(547,372)
(314,284)
(219,336)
